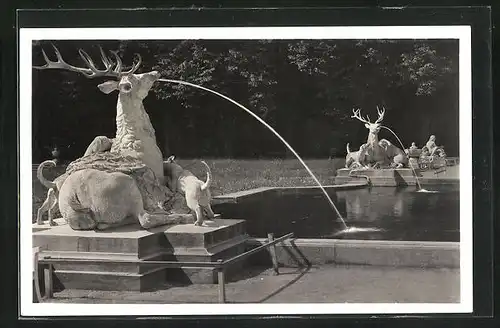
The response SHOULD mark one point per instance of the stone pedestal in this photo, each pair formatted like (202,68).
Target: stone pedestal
(382,177)
(220,240)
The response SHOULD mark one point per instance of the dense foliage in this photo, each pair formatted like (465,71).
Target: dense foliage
(305,89)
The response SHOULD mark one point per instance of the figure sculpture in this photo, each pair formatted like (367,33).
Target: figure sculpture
(131,164)
(432,156)
(431,145)
(433,149)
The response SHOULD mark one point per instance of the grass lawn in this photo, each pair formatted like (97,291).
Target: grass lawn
(229,175)
(235,175)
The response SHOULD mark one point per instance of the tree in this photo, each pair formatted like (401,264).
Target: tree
(300,87)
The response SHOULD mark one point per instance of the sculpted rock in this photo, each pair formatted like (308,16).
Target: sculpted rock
(93,199)
(151,189)
(396,156)
(105,190)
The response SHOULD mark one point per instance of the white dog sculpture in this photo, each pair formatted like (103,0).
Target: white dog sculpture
(354,159)
(196,192)
(50,203)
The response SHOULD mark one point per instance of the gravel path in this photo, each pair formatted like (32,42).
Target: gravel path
(329,284)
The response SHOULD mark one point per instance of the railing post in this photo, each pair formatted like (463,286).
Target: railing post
(272,250)
(222,283)
(47,275)
(36,278)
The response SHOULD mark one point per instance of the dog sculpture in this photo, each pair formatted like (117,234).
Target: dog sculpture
(99,144)
(196,192)
(397,156)
(50,203)
(354,159)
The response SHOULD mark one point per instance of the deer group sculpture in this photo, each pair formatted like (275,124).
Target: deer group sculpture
(376,153)
(119,179)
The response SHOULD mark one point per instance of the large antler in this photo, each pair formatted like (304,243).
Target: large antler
(91,71)
(381,114)
(357,114)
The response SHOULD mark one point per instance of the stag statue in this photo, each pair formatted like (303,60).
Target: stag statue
(135,135)
(118,180)
(375,155)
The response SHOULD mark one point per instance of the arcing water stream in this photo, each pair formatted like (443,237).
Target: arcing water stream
(346,229)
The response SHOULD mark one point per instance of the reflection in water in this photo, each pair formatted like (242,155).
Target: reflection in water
(404,215)
(398,207)
(400,213)
(355,206)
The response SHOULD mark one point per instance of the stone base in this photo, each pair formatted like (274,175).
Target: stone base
(45,226)
(220,240)
(382,177)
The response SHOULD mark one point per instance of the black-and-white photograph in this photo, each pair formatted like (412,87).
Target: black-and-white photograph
(295,169)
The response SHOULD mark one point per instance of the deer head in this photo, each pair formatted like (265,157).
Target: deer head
(127,82)
(373,127)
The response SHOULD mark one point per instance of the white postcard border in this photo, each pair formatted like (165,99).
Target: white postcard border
(27,35)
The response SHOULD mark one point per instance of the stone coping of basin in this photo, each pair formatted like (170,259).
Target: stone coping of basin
(364,252)
(234,196)
(382,243)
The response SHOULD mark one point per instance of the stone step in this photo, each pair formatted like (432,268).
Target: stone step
(112,281)
(216,233)
(130,239)
(94,262)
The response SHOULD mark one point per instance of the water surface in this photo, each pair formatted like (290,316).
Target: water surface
(400,213)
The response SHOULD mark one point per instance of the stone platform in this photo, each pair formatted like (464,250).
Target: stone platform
(381,177)
(221,239)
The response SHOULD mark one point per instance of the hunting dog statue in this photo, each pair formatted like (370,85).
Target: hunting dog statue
(354,159)
(51,202)
(196,192)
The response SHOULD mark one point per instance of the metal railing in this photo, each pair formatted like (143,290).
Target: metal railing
(220,265)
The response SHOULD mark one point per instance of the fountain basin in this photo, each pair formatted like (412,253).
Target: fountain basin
(416,229)
(400,213)
(391,177)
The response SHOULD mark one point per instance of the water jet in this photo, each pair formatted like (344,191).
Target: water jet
(419,187)
(330,201)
